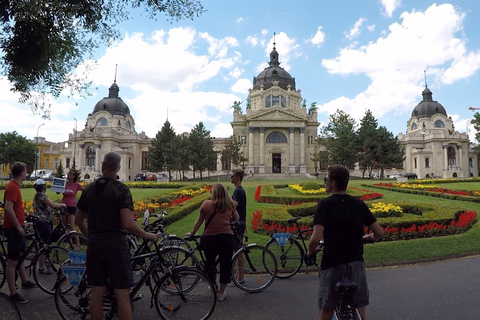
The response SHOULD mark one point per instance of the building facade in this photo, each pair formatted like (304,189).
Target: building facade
(278,133)
(433,148)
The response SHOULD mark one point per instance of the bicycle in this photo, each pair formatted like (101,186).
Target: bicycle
(289,251)
(177,294)
(8,308)
(260,263)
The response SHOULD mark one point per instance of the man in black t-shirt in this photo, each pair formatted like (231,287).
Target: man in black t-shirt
(240,196)
(107,204)
(340,220)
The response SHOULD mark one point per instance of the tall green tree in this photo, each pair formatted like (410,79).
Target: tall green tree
(59,173)
(43,41)
(390,152)
(14,147)
(476,124)
(202,155)
(232,151)
(367,140)
(339,139)
(163,152)
(183,153)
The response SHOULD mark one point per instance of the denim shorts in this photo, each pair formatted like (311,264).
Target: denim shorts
(328,278)
(109,267)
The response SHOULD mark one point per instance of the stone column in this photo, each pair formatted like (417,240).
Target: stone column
(303,166)
(251,165)
(261,168)
(98,161)
(291,166)
(445,159)
(460,157)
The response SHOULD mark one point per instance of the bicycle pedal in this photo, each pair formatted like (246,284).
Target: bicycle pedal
(138,297)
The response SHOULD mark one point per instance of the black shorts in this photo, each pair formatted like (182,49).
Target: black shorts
(15,243)
(44,229)
(71,211)
(112,267)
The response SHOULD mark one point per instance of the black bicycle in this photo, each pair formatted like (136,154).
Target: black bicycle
(177,292)
(289,249)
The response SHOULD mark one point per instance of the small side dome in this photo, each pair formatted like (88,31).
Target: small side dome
(113,103)
(428,107)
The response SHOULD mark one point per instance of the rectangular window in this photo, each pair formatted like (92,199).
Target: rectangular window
(427,162)
(67,162)
(415,163)
(144,160)
(470,162)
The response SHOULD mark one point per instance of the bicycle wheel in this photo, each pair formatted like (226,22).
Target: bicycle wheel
(346,314)
(185,293)
(53,258)
(178,256)
(260,268)
(3,266)
(72,302)
(8,309)
(73,241)
(289,257)
(174,241)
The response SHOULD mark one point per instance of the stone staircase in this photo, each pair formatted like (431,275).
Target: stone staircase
(279,176)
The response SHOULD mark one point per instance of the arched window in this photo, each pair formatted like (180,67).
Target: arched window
(55,163)
(102,122)
(451,156)
(439,124)
(414,126)
(276,137)
(90,156)
(127,125)
(275,100)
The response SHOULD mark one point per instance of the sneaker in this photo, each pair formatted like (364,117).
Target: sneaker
(40,270)
(17,298)
(29,285)
(221,296)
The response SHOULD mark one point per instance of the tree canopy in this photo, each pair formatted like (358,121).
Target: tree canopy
(202,156)
(42,41)
(164,150)
(14,147)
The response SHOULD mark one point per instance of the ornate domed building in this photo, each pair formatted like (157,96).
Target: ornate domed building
(110,127)
(277,132)
(433,148)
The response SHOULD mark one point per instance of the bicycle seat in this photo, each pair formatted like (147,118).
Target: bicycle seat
(292,220)
(346,285)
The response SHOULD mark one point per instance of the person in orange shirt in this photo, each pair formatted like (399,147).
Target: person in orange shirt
(14,231)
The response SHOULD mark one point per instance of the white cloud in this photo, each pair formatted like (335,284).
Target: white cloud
(252,40)
(319,38)
(222,130)
(355,31)
(371,28)
(242,86)
(395,63)
(389,6)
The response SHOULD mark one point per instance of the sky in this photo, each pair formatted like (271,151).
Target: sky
(345,55)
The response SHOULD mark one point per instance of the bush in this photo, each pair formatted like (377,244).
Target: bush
(311,186)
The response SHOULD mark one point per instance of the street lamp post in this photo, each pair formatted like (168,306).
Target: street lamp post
(36,151)
(243,153)
(468,147)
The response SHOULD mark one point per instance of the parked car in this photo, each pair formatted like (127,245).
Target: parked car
(410,175)
(48,176)
(140,177)
(395,176)
(151,177)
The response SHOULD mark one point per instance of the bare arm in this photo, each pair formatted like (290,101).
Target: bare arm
(80,221)
(52,204)
(317,235)
(236,216)
(132,227)
(198,223)
(377,232)
(11,215)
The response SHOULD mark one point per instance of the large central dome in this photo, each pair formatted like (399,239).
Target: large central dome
(428,107)
(274,73)
(112,104)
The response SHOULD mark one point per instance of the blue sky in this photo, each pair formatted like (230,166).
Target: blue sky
(349,55)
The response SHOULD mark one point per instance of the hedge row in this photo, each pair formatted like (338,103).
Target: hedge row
(185,208)
(428,193)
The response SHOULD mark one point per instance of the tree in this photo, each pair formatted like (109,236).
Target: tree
(43,41)
(232,151)
(367,141)
(476,124)
(202,156)
(14,147)
(390,152)
(163,152)
(60,172)
(183,153)
(339,139)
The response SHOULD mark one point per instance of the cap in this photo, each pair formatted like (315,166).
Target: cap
(39,182)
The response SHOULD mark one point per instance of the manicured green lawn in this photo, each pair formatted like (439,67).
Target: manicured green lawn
(383,253)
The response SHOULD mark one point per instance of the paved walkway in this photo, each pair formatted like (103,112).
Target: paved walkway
(440,290)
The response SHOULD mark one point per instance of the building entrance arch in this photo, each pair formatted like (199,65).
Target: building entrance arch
(276,163)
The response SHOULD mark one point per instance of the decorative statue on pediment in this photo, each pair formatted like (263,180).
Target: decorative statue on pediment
(249,103)
(236,107)
(313,108)
(304,104)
